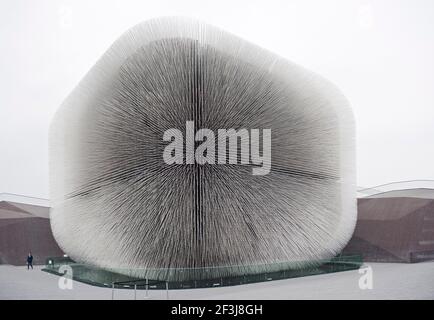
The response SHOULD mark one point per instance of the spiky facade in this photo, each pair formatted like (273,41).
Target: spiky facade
(116,204)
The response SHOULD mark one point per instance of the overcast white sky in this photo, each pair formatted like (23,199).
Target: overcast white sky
(380,53)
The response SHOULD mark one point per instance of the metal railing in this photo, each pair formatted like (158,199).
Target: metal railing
(137,283)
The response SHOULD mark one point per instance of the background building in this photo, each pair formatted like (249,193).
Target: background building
(25,227)
(392,226)
(395,226)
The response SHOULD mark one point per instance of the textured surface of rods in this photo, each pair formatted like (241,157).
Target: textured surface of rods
(116,204)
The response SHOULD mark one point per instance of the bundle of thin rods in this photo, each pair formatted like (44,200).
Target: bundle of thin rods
(117,204)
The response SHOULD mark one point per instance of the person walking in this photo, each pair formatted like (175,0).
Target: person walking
(29,261)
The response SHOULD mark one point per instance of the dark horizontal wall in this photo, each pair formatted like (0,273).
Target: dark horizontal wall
(393,230)
(21,235)
(388,230)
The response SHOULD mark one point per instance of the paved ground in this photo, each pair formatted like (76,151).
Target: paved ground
(390,281)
